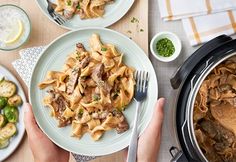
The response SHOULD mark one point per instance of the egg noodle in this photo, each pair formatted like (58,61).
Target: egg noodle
(84,8)
(91,91)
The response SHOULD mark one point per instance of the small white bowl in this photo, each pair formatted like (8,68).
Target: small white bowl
(173,38)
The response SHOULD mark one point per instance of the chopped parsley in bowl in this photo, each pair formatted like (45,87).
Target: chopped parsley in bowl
(165,46)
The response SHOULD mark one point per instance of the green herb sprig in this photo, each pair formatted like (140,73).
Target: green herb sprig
(68,2)
(103,49)
(78,7)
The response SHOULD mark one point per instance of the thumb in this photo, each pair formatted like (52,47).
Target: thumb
(151,137)
(31,126)
(158,116)
(155,125)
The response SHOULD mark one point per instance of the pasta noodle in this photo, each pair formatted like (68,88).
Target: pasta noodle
(86,9)
(214,115)
(91,91)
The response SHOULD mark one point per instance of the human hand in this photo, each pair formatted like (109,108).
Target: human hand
(42,148)
(149,141)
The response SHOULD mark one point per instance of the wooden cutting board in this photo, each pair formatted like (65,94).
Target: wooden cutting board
(134,24)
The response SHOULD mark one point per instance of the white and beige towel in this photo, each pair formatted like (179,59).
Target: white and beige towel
(202,19)
(179,9)
(201,29)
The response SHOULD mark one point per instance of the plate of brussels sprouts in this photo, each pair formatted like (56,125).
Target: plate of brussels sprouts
(11,113)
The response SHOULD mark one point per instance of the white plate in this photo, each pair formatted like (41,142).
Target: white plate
(53,58)
(15,140)
(113,12)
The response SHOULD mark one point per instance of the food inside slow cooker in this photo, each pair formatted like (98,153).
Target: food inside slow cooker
(214,115)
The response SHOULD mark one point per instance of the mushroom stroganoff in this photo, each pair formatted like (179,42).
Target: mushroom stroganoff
(91,91)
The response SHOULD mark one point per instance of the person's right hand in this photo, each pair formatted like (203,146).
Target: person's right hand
(149,141)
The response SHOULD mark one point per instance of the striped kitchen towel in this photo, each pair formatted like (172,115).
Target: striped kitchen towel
(202,19)
(179,9)
(201,29)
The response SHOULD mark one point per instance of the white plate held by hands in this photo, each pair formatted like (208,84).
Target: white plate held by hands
(53,58)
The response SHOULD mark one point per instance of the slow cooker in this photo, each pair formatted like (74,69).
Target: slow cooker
(186,82)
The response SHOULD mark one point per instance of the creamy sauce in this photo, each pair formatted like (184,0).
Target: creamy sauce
(14,27)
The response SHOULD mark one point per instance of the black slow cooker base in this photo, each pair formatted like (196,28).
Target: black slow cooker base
(219,49)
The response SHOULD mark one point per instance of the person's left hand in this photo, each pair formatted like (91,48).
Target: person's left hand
(42,148)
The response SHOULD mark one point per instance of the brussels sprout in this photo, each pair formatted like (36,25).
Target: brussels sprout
(4,143)
(8,131)
(3,120)
(7,88)
(3,102)
(15,100)
(11,113)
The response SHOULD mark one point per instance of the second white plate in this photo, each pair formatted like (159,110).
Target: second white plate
(15,140)
(113,12)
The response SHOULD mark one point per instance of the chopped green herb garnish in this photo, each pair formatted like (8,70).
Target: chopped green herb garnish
(78,6)
(81,111)
(129,31)
(83,77)
(96,97)
(115,94)
(77,57)
(121,108)
(165,47)
(134,20)
(68,2)
(80,114)
(103,49)
(141,30)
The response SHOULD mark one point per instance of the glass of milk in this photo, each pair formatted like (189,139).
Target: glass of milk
(15,27)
